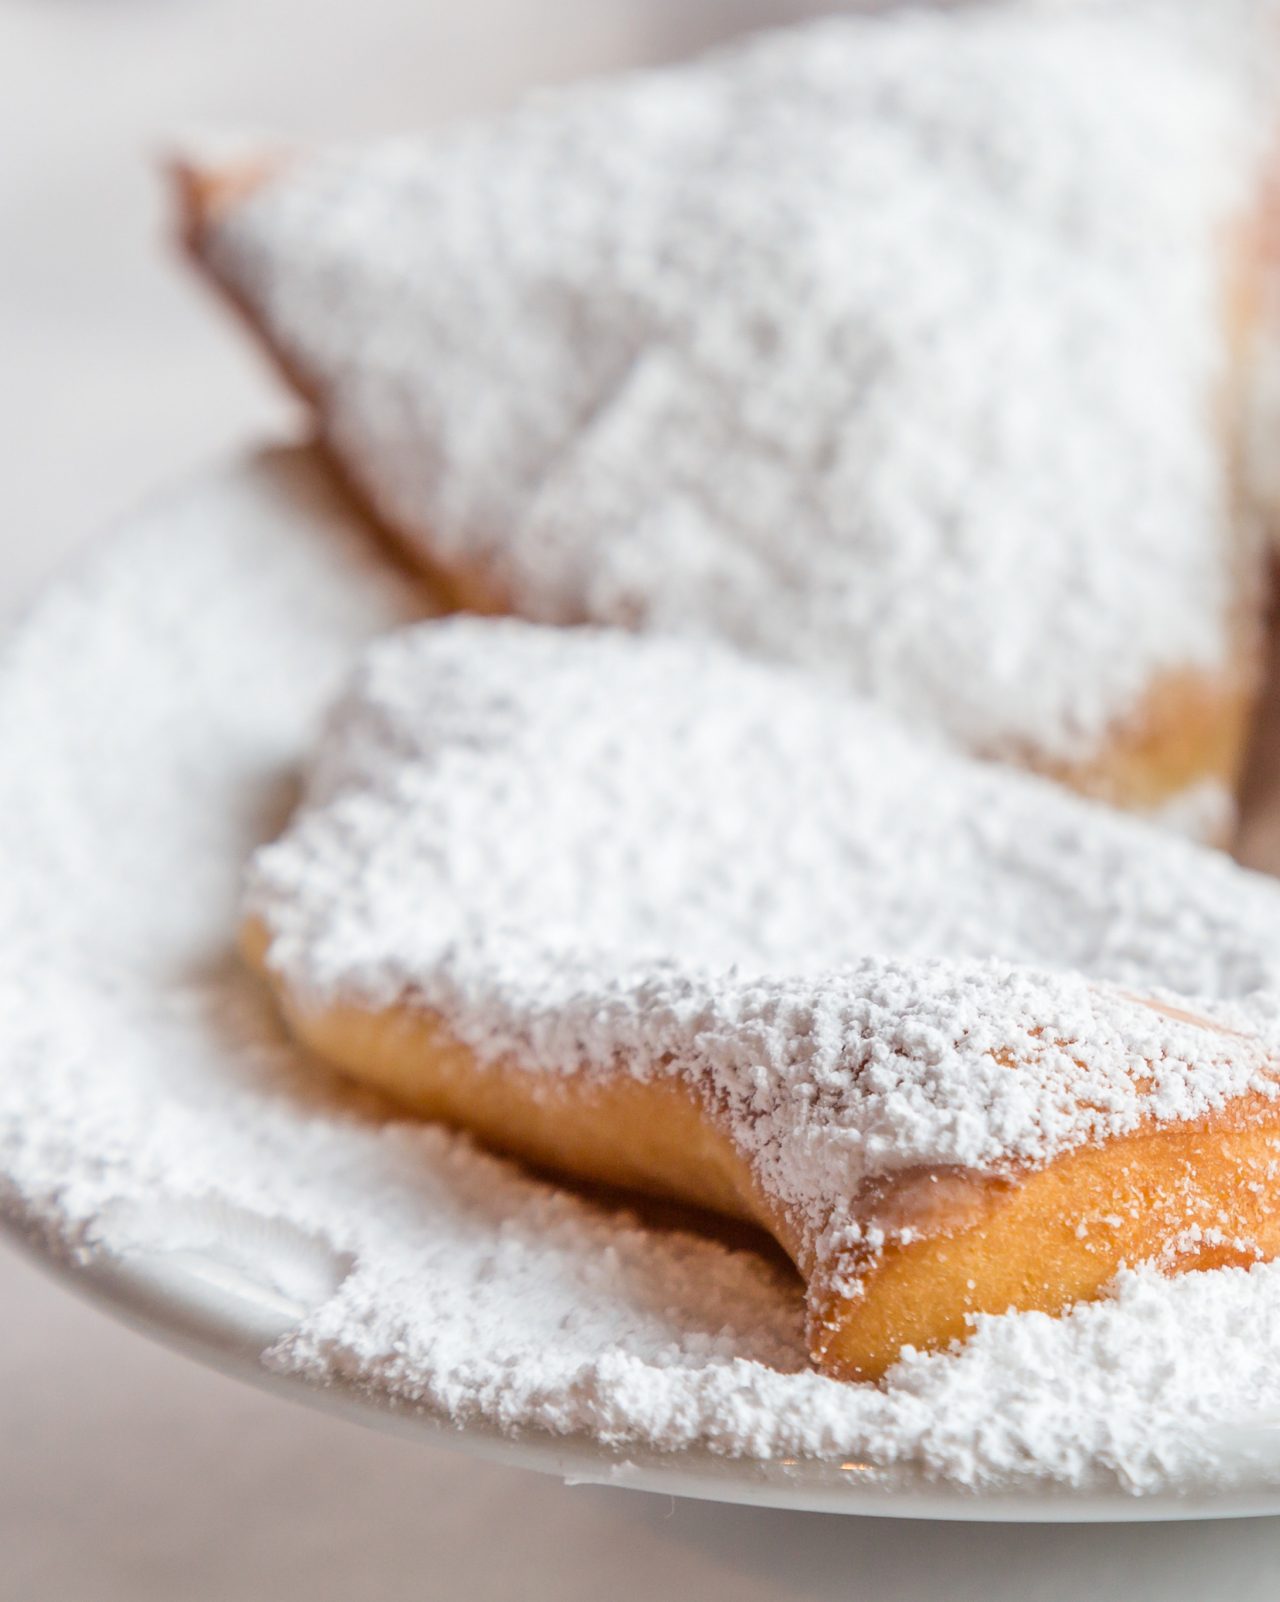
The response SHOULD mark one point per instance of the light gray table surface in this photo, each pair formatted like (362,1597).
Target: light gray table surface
(127,1472)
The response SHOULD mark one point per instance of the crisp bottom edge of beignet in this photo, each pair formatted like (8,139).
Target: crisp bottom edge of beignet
(1190,729)
(1184,1196)
(1187,1196)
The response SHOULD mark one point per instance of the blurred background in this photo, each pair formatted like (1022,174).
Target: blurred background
(125,1472)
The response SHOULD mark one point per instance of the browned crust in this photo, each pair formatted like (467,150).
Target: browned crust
(1189,729)
(204,195)
(1187,1195)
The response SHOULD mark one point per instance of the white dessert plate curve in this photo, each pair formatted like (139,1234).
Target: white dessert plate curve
(167,1152)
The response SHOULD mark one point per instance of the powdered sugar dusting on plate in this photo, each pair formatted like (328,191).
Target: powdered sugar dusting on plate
(153,713)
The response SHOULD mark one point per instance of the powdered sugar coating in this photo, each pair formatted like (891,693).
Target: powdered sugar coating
(592,851)
(153,712)
(748,348)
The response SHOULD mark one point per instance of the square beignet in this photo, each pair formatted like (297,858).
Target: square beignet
(910,348)
(647,912)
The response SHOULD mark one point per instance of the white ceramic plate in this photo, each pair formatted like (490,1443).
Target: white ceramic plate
(225,1284)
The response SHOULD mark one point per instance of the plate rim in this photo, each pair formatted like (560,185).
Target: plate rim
(159,1297)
